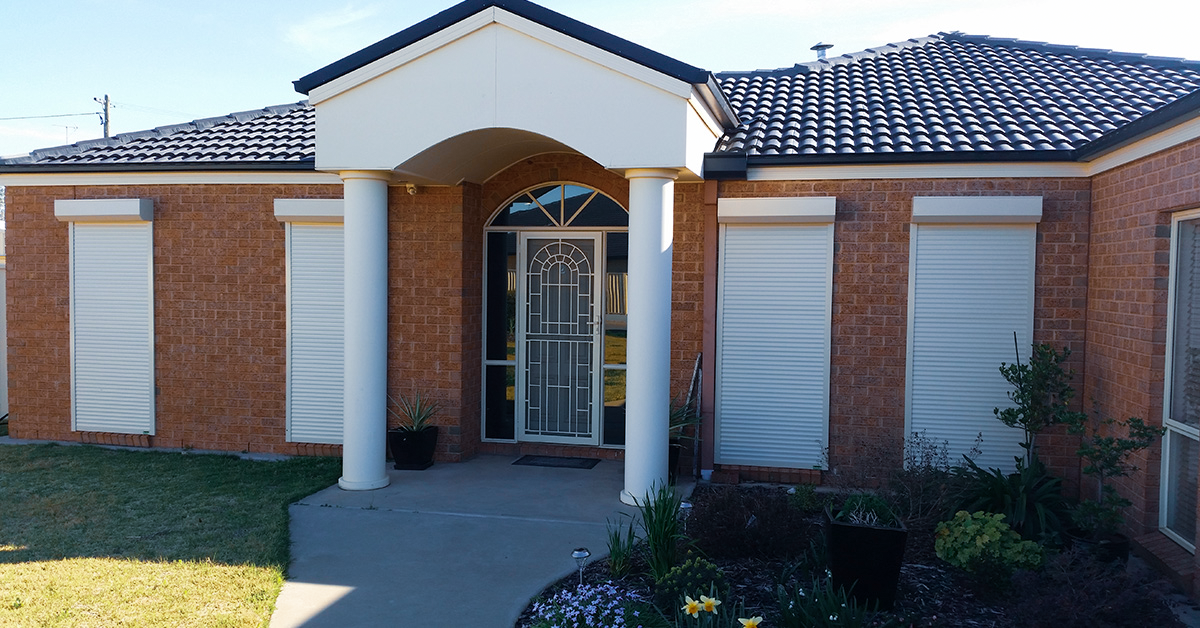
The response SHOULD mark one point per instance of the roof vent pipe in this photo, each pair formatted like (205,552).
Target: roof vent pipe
(821,48)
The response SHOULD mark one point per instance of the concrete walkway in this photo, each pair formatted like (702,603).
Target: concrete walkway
(472,542)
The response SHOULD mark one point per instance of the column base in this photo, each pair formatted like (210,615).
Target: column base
(347,485)
(628,499)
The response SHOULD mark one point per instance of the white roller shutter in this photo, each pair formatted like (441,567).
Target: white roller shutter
(773,329)
(112,328)
(970,288)
(315,333)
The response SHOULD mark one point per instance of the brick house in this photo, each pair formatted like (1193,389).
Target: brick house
(542,226)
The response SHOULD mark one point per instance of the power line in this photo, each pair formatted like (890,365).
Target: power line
(60,115)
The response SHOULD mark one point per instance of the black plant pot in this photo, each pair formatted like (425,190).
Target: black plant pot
(1106,548)
(866,558)
(413,451)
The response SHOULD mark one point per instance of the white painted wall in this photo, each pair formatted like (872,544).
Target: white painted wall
(512,75)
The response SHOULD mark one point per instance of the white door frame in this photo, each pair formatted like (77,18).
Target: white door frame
(597,391)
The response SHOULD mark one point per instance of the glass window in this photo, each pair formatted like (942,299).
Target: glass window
(562,206)
(616,289)
(500,402)
(501,326)
(1181,459)
(1185,359)
(1182,454)
(614,407)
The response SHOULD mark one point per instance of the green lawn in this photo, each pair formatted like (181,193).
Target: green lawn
(95,537)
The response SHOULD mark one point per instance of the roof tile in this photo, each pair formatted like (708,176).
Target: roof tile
(283,133)
(954,92)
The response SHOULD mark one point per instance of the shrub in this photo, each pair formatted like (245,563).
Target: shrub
(924,491)
(1073,590)
(804,497)
(1105,458)
(693,576)
(978,542)
(659,511)
(1031,499)
(740,522)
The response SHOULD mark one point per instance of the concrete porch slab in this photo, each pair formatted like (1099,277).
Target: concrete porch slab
(470,542)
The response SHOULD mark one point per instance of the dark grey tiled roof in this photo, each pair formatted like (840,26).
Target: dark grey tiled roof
(950,94)
(947,97)
(275,137)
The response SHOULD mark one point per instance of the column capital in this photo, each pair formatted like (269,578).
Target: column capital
(378,175)
(652,173)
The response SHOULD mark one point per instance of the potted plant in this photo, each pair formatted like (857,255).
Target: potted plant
(1105,453)
(414,439)
(682,415)
(866,543)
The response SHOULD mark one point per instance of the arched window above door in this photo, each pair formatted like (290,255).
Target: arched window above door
(562,205)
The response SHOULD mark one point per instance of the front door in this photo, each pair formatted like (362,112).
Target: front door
(558,337)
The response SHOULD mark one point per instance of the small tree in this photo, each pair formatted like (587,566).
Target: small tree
(1042,394)
(1106,457)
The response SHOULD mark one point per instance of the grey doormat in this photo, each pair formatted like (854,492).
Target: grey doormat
(557,461)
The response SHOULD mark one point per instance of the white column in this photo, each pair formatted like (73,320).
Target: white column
(648,381)
(364,440)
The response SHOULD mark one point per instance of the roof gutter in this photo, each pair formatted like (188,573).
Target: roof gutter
(734,166)
(1183,109)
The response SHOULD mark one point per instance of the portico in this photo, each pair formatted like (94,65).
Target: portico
(455,100)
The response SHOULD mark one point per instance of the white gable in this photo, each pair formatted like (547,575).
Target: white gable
(498,71)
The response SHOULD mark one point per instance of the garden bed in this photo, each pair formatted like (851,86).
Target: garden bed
(761,537)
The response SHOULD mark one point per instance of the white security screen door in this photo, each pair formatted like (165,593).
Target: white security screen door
(558,337)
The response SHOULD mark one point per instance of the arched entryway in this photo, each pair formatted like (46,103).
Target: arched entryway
(555,295)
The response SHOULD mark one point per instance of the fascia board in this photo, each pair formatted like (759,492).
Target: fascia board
(1167,138)
(168,178)
(918,171)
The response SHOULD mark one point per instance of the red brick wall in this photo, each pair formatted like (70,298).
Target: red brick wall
(1127,300)
(39,362)
(687,285)
(870,300)
(219,315)
(427,339)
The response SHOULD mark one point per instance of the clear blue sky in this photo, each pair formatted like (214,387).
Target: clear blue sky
(170,61)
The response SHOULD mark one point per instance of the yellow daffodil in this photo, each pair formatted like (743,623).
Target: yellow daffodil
(710,603)
(691,607)
(752,622)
